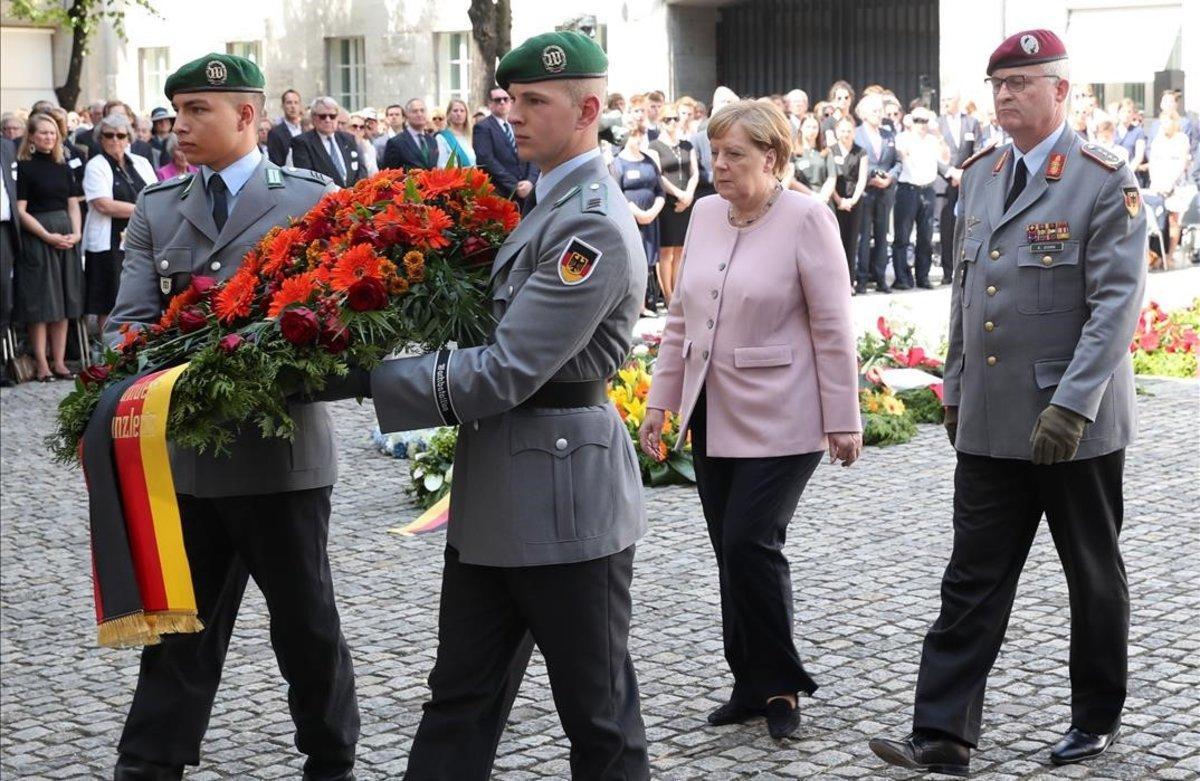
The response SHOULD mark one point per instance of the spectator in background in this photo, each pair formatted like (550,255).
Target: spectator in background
(75,156)
(10,242)
(177,162)
(327,150)
(371,118)
(722,96)
(1132,138)
(636,113)
(797,108)
(343,121)
(616,102)
(680,177)
(810,171)
(161,120)
(495,147)
(702,113)
(686,108)
(357,126)
(393,118)
(264,133)
(848,167)
(72,123)
(455,139)
(88,119)
(893,114)
(50,275)
(960,132)
(415,147)
(639,179)
(143,145)
(1106,136)
(111,183)
(279,140)
(1172,101)
(437,121)
(11,128)
(880,197)
(654,104)
(1169,163)
(841,97)
(920,150)
(990,130)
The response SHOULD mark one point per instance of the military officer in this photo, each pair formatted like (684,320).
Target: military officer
(1039,401)
(546,504)
(264,508)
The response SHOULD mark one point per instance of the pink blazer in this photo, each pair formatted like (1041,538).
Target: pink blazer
(761,319)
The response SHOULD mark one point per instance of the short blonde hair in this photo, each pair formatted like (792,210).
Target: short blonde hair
(763,122)
(31,126)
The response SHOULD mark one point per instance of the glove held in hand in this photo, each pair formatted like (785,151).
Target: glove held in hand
(1056,435)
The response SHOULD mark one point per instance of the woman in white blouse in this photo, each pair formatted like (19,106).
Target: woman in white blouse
(111,183)
(455,138)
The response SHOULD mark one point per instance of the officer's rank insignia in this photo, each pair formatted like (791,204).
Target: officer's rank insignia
(1054,169)
(999,166)
(1102,156)
(1133,201)
(577,262)
(1047,231)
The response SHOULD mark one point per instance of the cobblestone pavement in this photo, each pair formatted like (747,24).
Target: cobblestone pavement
(867,550)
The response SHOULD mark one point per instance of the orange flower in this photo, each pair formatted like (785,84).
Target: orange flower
(294,290)
(234,299)
(279,249)
(354,264)
(438,181)
(180,302)
(477,180)
(397,286)
(489,208)
(414,263)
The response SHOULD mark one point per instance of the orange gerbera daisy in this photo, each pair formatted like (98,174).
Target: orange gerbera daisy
(294,290)
(425,227)
(354,264)
(490,208)
(279,249)
(437,181)
(476,179)
(180,302)
(233,301)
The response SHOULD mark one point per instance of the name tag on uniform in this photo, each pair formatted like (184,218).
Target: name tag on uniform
(1049,246)
(634,174)
(74,162)
(968,136)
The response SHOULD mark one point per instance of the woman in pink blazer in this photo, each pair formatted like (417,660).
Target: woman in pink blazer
(758,359)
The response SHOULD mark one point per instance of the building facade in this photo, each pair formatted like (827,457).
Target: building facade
(376,52)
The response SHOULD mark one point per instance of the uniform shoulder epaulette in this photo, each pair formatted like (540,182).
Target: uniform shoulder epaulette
(167,184)
(982,153)
(1101,155)
(304,173)
(593,198)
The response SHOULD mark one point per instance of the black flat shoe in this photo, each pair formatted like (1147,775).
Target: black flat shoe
(63,375)
(132,769)
(1077,745)
(783,718)
(732,713)
(922,752)
(901,286)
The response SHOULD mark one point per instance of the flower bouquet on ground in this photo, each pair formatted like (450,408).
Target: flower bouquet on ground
(399,261)
(628,392)
(1166,344)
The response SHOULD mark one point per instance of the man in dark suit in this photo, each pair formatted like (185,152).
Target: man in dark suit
(496,150)
(415,146)
(961,132)
(279,140)
(880,196)
(327,150)
(10,241)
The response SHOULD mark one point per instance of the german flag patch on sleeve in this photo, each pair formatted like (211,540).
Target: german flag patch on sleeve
(577,261)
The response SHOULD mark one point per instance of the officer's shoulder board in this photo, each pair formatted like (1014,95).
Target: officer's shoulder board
(1099,154)
(982,153)
(593,198)
(307,175)
(169,184)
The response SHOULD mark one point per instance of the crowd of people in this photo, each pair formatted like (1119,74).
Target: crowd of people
(889,172)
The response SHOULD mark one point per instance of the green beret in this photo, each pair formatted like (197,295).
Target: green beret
(562,55)
(216,73)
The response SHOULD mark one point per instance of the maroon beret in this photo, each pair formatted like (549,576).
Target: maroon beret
(1028,47)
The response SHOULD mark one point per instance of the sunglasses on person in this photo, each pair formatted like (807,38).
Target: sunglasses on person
(111,136)
(670,119)
(325,116)
(921,120)
(504,99)
(1014,83)
(357,126)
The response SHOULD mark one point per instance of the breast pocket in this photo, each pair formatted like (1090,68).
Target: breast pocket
(967,269)
(764,357)
(1049,278)
(174,268)
(562,486)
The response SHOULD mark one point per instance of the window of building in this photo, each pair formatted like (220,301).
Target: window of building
(454,66)
(251,50)
(347,72)
(154,65)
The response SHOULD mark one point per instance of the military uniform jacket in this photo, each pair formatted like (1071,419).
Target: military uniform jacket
(1045,299)
(170,238)
(536,486)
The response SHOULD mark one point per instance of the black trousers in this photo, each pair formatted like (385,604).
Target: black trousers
(848,226)
(946,230)
(280,541)
(914,206)
(877,213)
(998,504)
(578,614)
(748,503)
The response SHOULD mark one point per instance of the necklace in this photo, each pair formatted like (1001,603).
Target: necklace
(745,223)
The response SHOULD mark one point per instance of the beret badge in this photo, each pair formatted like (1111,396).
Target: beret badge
(554,59)
(1029,44)
(216,73)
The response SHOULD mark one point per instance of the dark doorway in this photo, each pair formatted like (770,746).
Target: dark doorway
(771,46)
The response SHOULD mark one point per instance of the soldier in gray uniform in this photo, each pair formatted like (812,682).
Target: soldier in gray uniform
(547,501)
(1039,399)
(265,507)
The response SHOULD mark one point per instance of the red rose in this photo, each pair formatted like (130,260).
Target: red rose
(202,284)
(478,251)
(229,343)
(335,337)
(299,325)
(192,319)
(95,374)
(366,294)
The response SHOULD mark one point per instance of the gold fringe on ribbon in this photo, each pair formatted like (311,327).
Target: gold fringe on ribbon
(126,632)
(168,622)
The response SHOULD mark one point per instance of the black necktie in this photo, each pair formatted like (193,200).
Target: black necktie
(1017,186)
(530,202)
(220,205)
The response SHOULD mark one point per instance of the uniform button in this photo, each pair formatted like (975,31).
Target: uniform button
(704,355)
(991,290)
(475,424)
(163,264)
(713,294)
(215,265)
(994,254)
(721,267)
(991,360)
(510,290)
(595,187)
(561,444)
(989,326)
(710,323)
(1047,260)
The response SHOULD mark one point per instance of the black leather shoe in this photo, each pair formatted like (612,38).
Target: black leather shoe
(882,287)
(922,752)
(901,286)
(132,769)
(860,288)
(732,713)
(1077,745)
(783,718)
(925,285)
